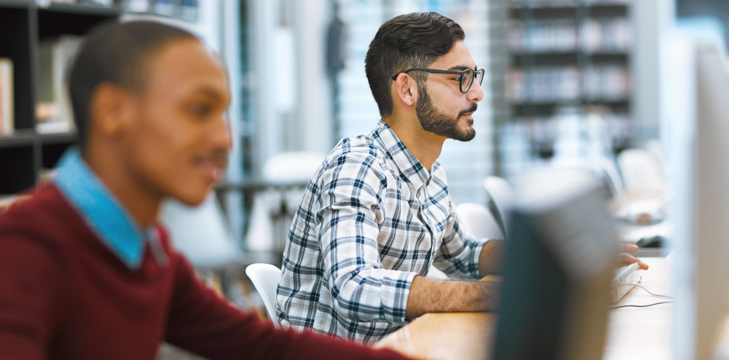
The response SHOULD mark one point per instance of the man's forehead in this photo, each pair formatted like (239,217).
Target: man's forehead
(458,58)
(188,62)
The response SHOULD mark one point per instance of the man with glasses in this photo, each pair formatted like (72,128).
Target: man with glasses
(377,214)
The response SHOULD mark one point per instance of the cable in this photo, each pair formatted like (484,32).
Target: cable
(646,290)
(642,306)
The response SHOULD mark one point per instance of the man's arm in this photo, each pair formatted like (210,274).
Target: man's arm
(207,325)
(428,295)
(29,298)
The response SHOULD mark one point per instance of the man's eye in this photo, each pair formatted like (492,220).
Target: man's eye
(200,109)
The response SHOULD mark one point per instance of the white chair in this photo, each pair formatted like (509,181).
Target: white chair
(201,233)
(476,219)
(502,195)
(273,208)
(601,166)
(611,174)
(265,278)
(640,169)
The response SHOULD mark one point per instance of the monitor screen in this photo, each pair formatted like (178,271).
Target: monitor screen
(698,107)
(558,267)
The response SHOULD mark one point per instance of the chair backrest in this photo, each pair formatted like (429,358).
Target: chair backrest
(201,233)
(611,174)
(502,195)
(476,219)
(292,166)
(265,278)
(639,168)
(603,167)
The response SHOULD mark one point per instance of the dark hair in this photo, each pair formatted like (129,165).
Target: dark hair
(407,41)
(115,52)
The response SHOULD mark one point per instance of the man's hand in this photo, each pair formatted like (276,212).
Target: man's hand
(627,259)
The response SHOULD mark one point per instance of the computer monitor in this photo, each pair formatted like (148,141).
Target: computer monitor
(698,107)
(558,268)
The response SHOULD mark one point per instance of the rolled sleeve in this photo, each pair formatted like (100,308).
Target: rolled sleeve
(459,253)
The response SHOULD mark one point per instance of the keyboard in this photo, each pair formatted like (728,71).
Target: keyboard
(628,274)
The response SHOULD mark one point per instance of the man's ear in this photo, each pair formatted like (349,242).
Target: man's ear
(110,109)
(406,89)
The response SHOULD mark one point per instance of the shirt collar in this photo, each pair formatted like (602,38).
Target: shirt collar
(406,162)
(102,212)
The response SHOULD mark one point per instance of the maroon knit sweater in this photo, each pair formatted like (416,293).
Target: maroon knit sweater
(65,295)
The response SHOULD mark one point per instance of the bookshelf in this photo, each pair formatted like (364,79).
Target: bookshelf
(570,75)
(25,153)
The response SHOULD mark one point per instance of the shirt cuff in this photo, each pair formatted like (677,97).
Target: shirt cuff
(396,297)
(476,255)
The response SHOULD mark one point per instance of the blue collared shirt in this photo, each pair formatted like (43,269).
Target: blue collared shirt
(103,212)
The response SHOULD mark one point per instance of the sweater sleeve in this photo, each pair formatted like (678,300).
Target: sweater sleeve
(200,322)
(29,301)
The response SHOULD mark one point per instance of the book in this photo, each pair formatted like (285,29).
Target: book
(7,115)
(136,5)
(164,7)
(53,109)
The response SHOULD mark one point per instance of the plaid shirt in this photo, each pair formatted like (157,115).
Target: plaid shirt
(371,219)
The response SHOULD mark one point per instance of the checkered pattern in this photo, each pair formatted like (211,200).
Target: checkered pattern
(371,219)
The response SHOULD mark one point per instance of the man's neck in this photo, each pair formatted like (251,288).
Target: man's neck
(141,205)
(424,145)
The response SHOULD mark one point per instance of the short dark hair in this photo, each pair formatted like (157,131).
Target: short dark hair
(115,52)
(407,41)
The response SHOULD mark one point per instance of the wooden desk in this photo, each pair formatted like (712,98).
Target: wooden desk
(633,333)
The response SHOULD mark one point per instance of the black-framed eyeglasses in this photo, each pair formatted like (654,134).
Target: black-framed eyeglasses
(465,79)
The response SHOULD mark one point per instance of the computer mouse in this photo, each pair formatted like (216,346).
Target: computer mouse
(654,241)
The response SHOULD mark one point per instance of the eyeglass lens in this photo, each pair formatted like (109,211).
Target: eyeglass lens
(467,79)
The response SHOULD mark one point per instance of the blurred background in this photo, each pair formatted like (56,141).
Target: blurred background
(567,81)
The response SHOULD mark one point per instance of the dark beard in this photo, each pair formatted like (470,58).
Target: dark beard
(438,123)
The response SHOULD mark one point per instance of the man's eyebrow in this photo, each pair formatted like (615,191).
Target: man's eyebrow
(461,67)
(209,91)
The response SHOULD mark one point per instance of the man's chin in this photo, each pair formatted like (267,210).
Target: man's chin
(465,134)
(192,199)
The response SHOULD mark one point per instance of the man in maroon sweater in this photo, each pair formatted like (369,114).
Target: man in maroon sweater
(85,270)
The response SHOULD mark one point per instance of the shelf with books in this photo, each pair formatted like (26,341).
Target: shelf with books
(34,27)
(549,108)
(52,151)
(19,167)
(545,10)
(570,65)
(549,58)
(81,8)
(53,23)
(43,36)
(16,53)
(21,4)
(25,137)
(176,9)
(58,138)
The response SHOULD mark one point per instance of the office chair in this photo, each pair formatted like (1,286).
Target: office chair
(477,220)
(640,169)
(201,233)
(273,208)
(501,199)
(265,278)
